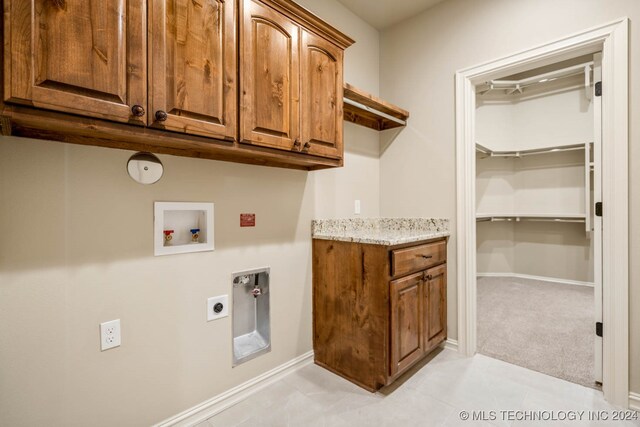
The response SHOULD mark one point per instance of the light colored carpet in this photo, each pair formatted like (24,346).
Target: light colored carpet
(544,326)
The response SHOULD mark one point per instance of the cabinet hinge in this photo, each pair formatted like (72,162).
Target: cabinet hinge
(599,209)
(599,329)
(599,89)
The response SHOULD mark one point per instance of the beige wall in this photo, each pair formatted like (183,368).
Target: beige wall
(496,249)
(76,250)
(418,60)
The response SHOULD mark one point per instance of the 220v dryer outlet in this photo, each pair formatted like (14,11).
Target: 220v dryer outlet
(217,307)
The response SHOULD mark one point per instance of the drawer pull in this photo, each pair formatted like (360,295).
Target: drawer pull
(417,258)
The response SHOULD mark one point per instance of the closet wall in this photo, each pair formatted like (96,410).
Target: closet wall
(551,114)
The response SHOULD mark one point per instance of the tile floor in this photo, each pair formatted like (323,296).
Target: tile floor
(433,394)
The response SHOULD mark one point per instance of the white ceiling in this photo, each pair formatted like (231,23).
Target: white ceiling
(384,13)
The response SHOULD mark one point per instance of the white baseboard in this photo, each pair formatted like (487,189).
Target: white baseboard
(451,344)
(225,400)
(541,278)
(634,401)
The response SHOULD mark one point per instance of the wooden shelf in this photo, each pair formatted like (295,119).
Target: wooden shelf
(367,110)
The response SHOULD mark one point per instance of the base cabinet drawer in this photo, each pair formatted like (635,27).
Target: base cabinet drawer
(371,321)
(416,258)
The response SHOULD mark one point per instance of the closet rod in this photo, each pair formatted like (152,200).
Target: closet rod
(374,111)
(523,219)
(532,152)
(518,85)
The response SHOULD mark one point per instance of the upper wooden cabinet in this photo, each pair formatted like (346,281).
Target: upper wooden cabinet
(321,96)
(192,76)
(270,78)
(251,81)
(291,83)
(78,56)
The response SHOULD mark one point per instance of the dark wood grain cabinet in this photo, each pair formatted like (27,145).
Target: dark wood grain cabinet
(321,86)
(377,310)
(407,314)
(77,56)
(270,78)
(193,67)
(435,306)
(252,81)
(291,82)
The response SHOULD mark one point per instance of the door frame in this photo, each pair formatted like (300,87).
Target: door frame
(612,40)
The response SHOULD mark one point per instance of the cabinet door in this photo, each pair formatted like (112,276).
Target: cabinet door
(86,57)
(192,80)
(270,77)
(321,84)
(435,304)
(406,322)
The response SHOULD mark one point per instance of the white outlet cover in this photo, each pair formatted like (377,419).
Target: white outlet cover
(211,303)
(356,207)
(110,335)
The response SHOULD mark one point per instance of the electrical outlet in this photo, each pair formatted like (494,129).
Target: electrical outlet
(356,209)
(110,334)
(217,307)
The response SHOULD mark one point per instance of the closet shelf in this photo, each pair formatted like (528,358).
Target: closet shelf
(531,152)
(367,110)
(541,217)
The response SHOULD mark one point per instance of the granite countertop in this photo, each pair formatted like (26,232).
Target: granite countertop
(380,231)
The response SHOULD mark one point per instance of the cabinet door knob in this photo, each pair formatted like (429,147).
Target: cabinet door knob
(307,145)
(137,110)
(161,116)
(426,277)
(296,144)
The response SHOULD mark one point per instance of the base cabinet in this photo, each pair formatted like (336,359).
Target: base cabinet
(407,322)
(377,310)
(435,306)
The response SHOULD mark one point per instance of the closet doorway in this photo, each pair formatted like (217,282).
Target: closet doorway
(612,39)
(538,235)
